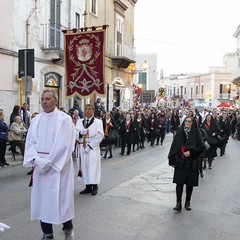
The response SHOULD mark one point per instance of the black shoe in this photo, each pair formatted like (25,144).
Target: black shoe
(1,165)
(178,207)
(133,150)
(187,206)
(201,174)
(94,190)
(210,167)
(110,156)
(7,164)
(128,154)
(88,189)
(157,144)
(104,156)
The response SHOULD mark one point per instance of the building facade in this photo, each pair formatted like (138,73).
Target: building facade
(203,90)
(37,25)
(120,53)
(236,74)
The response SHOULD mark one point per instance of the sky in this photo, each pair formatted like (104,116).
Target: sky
(189,36)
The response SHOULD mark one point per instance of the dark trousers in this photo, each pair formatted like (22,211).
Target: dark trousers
(48,229)
(123,145)
(179,192)
(161,135)
(3,146)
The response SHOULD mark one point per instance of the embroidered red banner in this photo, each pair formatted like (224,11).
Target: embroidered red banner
(84,63)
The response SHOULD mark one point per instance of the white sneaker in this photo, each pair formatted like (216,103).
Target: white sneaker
(69,235)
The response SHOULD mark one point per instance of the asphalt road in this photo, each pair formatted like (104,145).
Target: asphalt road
(135,201)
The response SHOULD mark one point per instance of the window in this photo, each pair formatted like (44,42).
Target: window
(119,36)
(191,92)
(93,7)
(202,89)
(55,24)
(77,20)
(196,90)
(185,91)
(142,79)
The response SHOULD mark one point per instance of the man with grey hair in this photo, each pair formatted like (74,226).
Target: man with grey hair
(49,146)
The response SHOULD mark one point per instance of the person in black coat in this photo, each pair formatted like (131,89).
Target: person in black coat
(141,126)
(175,122)
(126,133)
(162,120)
(212,129)
(184,154)
(152,128)
(3,139)
(224,125)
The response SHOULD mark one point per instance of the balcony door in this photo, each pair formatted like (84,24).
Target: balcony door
(55,24)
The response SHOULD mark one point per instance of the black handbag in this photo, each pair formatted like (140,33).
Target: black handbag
(113,135)
(212,140)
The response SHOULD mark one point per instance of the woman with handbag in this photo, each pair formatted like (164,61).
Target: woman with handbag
(212,129)
(184,154)
(162,127)
(224,125)
(152,128)
(141,127)
(126,132)
(108,126)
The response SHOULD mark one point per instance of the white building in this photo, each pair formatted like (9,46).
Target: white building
(35,24)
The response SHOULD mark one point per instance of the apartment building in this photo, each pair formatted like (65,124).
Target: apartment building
(38,25)
(235,77)
(201,90)
(120,53)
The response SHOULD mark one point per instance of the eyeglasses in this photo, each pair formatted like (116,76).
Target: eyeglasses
(188,121)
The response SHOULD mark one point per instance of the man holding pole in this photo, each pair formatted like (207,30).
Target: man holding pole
(90,130)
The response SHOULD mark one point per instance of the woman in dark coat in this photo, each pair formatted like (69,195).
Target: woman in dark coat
(212,129)
(108,125)
(175,122)
(140,123)
(126,133)
(162,120)
(152,128)
(184,154)
(224,125)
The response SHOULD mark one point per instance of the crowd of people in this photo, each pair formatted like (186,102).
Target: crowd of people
(91,134)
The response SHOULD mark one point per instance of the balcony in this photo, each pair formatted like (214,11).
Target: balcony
(224,96)
(122,54)
(52,40)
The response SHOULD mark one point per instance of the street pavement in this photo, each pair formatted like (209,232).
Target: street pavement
(136,197)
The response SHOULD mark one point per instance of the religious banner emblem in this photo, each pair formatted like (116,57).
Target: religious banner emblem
(84,63)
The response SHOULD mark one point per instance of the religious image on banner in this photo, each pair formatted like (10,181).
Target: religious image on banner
(84,63)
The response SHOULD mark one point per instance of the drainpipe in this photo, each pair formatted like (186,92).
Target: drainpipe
(27,22)
(27,43)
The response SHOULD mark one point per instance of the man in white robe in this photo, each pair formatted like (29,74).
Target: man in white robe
(90,132)
(49,146)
